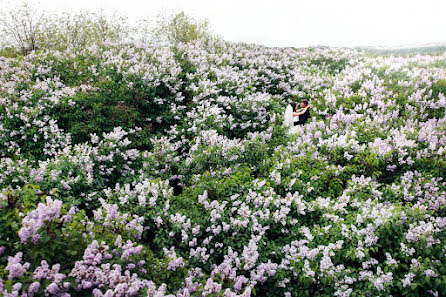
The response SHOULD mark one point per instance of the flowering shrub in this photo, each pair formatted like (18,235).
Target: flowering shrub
(153,171)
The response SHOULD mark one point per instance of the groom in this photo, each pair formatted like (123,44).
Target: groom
(303,112)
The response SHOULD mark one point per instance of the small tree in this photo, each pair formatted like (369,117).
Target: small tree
(179,27)
(26,28)
(21,27)
(143,31)
(82,29)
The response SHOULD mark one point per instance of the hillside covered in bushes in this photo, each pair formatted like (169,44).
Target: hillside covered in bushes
(136,170)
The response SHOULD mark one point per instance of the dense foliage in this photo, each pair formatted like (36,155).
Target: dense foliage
(155,171)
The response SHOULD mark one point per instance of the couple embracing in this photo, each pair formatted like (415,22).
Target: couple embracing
(294,116)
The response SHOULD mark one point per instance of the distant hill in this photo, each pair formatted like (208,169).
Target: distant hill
(405,50)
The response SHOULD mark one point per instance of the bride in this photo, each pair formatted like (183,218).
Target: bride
(289,119)
(292,115)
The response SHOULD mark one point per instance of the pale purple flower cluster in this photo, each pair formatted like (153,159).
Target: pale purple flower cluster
(110,217)
(57,287)
(15,266)
(175,261)
(93,271)
(35,219)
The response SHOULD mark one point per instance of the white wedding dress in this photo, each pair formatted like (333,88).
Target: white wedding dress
(288,117)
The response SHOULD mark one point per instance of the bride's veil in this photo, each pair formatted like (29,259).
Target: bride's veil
(288,117)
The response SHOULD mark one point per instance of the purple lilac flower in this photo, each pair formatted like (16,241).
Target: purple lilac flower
(35,219)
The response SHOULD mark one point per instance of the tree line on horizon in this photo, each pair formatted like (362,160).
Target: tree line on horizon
(25,28)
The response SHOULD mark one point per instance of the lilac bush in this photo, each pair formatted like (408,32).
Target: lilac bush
(137,170)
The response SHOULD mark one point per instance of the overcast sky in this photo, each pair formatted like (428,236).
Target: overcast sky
(296,23)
